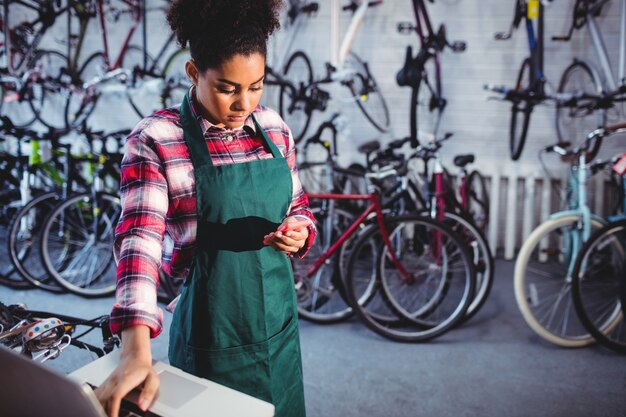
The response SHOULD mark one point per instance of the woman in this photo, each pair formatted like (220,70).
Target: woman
(210,191)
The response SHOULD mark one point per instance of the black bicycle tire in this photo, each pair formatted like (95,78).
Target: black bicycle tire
(516,146)
(46,258)
(485,197)
(38,111)
(167,89)
(11,198)
(595,147)
(149,62)
(335,281)
(84,112)
(423,333)
(413,105)
(297,135)
(577,289)
(381,127)
(48,283)
(482,289)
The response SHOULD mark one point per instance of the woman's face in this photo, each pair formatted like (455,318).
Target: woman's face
(229,93)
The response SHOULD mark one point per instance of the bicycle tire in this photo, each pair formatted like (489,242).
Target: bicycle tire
(10,203)
(142,91)
(24,239)
(517,136)
(597,285)
(321,298)
(481,256)
(68,230)
(366,93)
(567,331)
(410,327)
(573,124)
(296,111)
(426,106)
(176,82)
(478,200)
(81,104)
(51,91)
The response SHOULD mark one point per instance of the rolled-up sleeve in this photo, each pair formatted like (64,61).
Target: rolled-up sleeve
(139,237)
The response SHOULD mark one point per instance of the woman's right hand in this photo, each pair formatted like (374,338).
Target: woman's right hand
(134,370)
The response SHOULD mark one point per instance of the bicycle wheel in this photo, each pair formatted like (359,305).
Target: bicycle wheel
(480,254)
(10,204)
(24,241)
(77,243)
(477,200)
(362,279)
(520,112)
(293,104)
(573,124)
(51,90)
(82,103)
(597,283)
(426,104)
(441,276)
(176,82)
(143,91)
(320,297)
(367,94)
(441,280)
(543,285)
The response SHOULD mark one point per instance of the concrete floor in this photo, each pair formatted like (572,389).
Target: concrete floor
(492,366)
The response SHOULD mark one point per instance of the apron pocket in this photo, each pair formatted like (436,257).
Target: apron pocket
(246,368)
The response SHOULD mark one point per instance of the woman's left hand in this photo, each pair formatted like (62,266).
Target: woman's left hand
(290,236)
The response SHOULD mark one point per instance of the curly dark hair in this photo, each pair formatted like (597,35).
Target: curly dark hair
(215,30)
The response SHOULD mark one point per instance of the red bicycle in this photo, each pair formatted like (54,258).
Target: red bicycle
(410,278)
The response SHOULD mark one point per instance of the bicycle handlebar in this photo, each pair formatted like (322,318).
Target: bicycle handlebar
(599,134)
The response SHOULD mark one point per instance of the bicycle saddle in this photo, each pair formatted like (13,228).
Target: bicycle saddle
(462,160)
(409,75)
(369,147)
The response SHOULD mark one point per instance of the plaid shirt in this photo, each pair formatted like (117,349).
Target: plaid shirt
(158,224)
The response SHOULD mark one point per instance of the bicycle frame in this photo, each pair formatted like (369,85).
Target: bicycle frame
(339,49)
(374,207)
(600,47)
(105,42)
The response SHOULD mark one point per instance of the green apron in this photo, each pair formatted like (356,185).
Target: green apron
(236,320)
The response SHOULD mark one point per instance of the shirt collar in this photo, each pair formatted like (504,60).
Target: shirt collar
(205,125)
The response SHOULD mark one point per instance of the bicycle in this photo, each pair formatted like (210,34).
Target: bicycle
(545,262)
(419,280)
(298,101)
(76,242)
(133,72)
(42,335)
(423,72)
(531,79)
(25,69)
(598,277)
(582,76)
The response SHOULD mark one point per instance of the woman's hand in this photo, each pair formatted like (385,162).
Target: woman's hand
(290,236)
(135,370)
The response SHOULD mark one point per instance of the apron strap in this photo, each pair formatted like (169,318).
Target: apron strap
(194,137)
(268,142)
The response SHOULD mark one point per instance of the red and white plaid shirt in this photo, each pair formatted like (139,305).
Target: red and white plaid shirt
(158,224)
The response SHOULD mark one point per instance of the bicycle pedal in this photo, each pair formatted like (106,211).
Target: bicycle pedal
(458,46)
